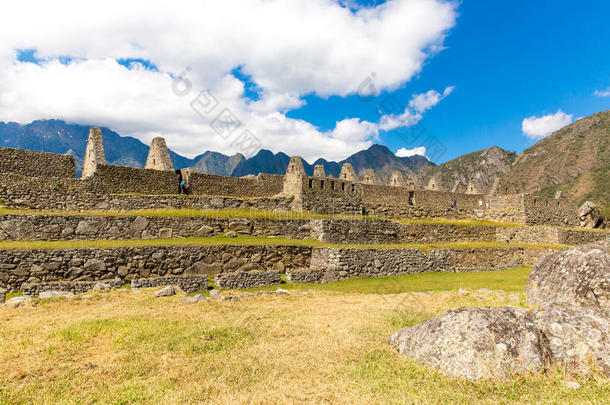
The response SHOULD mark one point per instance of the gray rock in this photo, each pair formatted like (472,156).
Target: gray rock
(193,299)
(579,276)
(166,291)
(250,267)
(101,286)
(463,292)
(575,336)
(205,230)
(17,301)
(87,228)
(165,233)
(139,224)
(589,215)
(55,294)
(571,384)
(474,343)
(95,265)
(215,293)
(231,234)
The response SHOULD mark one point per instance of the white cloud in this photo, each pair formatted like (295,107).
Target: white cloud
(289,48)
(539,127)
(412,114)
(404,152)
(602,93)
(423,102)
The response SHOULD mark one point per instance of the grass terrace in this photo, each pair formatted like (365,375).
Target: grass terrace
(326,345)
(256,241)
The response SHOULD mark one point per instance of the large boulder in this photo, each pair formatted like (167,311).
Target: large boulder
(589,215)
(578,276)
(488,342)
(575,336)
(474,343)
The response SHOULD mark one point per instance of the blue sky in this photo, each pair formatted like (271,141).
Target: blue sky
(507,61)
(463,75)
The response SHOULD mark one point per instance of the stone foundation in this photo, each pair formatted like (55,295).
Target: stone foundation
(247,279)
(76,287)
(189,284)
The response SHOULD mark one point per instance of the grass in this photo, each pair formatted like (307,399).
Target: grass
(325,346)
(252,241)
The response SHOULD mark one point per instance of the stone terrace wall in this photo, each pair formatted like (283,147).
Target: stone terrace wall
(189,284)
(36,164)
(121,179)
(548,211)
(388,195)
(264,185)
(40,193)
(572,237)
(34,266)
(331,264)
(245,279)
(64,227)
(78,287)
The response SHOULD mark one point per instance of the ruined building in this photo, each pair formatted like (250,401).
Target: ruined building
(158,156)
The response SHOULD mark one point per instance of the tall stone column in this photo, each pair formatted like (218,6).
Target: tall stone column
(158,156)
(348,173)
(94,155)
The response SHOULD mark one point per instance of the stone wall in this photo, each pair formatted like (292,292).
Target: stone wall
(121,179)
(189,284)
(75,287)
(548,211)
(88,264)
(263,185)
(331,264)
(247,279)
(36,164)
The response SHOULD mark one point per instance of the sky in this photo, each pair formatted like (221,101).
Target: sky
(315,78)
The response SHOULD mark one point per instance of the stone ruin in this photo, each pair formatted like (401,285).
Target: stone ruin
(94,155)
(158,156)
(318,171)
(348,173)
(370,177)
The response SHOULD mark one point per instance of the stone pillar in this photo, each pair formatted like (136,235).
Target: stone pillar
(318,171)
(158,156)
(94,155)
(348,173)
(412,182)
(293,181)
(370,177)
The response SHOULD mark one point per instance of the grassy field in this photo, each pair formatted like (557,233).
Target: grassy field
(326,345)
(251,240)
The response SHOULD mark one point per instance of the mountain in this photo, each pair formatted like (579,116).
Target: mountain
(60,137)
(481,167)
(575,160)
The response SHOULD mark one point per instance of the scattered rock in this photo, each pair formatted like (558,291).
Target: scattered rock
(55,294)
(231,234)
(578,276)
(215,293)
(17,301)
(571,384)
(193,299)
(166,291)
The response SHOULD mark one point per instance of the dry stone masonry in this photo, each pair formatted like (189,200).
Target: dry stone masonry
(158,156)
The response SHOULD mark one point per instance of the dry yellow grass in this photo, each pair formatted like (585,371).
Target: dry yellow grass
(318,347)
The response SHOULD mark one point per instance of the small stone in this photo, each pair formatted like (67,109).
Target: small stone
(193,299)
(16,302)
(231,234)
(215,293)
(101,286)
(165,233)
(55,294)
(461,291)
(123,271)
(166,291)
(571,384)
(282,291)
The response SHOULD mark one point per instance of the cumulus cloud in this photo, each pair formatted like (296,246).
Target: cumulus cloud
(602,93)
(286,48)
(404,152)
(412,114)
(539,127)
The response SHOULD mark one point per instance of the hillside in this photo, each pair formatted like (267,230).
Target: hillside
(481,167)
(575,160)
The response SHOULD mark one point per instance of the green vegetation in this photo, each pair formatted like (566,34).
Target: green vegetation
(328,345)
(251,241)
